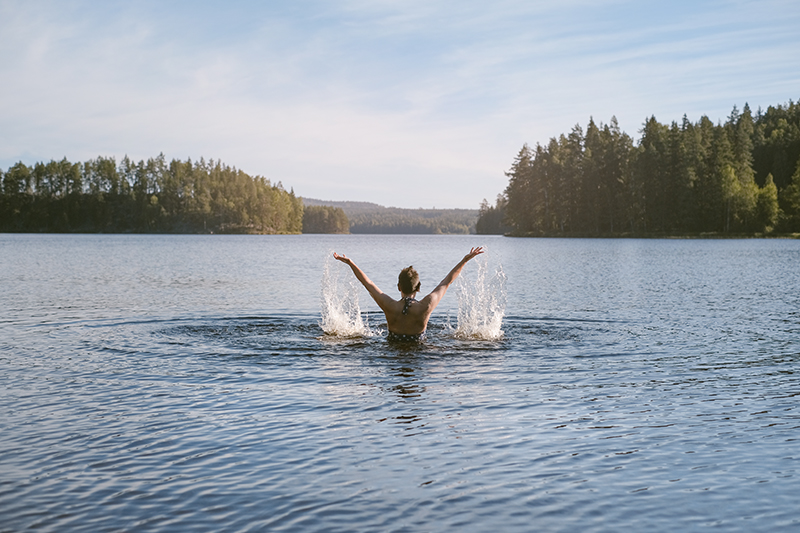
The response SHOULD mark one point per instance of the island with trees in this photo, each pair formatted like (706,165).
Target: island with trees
(741,177)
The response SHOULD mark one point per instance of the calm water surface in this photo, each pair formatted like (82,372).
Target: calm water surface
(184,383)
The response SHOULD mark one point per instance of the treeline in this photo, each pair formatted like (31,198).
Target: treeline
(416,221)
(150,196)
(366,217)
(491,218)
(325,219)
(742,176)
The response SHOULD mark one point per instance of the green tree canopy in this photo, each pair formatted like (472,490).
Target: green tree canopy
(678,179)
(149,196)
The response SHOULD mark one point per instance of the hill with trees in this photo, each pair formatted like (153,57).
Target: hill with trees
(740,177)
(366,217)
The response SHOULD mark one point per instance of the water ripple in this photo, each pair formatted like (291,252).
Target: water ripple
(660,414)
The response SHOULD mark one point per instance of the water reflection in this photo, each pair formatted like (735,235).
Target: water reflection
(409,388)
(405,384)
(402,389)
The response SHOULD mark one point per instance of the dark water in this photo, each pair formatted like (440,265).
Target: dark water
(183,383)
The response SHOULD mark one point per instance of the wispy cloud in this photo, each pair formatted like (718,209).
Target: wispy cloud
(362,99)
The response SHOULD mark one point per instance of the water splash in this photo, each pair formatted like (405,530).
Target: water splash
(482,303)
(341,313)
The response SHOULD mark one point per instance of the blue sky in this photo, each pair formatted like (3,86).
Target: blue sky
(402,103)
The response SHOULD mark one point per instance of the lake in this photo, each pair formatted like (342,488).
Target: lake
(185,383)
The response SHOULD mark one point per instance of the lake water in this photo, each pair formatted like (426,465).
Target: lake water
(185,383)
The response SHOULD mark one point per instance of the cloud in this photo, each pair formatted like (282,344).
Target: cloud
(366,100)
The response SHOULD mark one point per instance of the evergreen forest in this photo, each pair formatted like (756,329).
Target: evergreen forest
(150,196)
(733,178)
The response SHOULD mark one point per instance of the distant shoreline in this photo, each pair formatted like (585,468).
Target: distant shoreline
(366,218)
(686,236)
(738,236)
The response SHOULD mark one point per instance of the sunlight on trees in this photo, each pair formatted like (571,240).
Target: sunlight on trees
(149,196)
(679,179)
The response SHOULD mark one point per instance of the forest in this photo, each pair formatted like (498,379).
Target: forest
(740,177)
(150,196)
(366,217)
(325,219)
(416,221)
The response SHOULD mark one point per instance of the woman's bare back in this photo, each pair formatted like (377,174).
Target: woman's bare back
(415,320)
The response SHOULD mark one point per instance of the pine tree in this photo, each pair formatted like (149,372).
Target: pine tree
(519,192)
(767,209)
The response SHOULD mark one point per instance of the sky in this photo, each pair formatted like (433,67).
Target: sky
(405,103)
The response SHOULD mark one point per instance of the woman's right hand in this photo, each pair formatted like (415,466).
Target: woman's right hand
(343,258)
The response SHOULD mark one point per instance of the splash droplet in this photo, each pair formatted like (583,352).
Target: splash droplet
(481,303)
(341,313)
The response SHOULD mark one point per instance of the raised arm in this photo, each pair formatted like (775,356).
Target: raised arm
(378,295)
(438,293)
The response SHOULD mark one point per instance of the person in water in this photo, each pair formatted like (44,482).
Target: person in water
(407,318)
